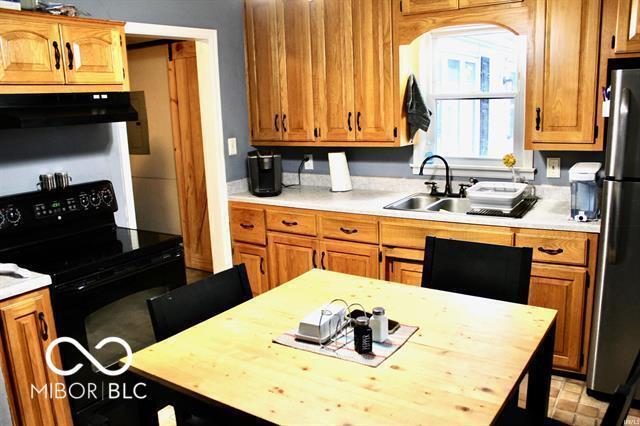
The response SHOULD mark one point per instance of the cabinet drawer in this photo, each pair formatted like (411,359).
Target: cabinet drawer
(292,222)
(414,236)
(348,229)
(247,225)
(555,249)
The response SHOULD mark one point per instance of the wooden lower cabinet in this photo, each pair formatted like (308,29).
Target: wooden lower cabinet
(404,271)
(27,330)
(350,258)
(563,289)
(255,260)
(290,257)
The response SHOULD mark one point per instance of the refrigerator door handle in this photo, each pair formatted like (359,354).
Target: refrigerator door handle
(620,127)
(613,223)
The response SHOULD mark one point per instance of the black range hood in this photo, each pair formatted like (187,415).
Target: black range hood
(64,109)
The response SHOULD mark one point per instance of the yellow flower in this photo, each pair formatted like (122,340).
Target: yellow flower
(509,160)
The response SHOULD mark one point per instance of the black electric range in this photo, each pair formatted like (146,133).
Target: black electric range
(101,274)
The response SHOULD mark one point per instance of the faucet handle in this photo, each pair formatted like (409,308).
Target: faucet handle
(434,186)
(473,181)
(463,189)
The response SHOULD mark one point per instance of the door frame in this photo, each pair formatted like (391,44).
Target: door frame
(212,135)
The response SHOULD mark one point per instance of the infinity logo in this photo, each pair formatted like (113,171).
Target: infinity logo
(90,357)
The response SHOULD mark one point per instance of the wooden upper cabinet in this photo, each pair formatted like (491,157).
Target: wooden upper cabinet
(28,329)
(30,52)
(563,80)
(628,27)
(410,7)
(92,54)
(297,79)
(334,69)
(263,71)
(373,60)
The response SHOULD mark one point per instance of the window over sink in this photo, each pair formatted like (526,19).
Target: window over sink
(472,79)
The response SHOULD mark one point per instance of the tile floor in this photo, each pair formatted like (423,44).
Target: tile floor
(569,404)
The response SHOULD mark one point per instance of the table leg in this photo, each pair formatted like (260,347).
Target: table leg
(540,379)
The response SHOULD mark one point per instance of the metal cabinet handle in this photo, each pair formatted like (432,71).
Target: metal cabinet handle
(247,225)
(349,121)
(322,260)
(552,252)
(284,122)
(313,259)
(358,121)
(286,223)
(44,328)
(538,118)
(56,54)
(275,123)
(70,55)
(349,231)
(262,265)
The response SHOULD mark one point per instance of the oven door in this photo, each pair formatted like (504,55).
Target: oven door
(112,303)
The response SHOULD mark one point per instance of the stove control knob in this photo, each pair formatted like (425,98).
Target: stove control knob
(13,215)
(95,199)
(84,200)
(107,196)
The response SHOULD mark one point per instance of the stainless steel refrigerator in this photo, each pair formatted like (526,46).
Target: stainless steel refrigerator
(615,337)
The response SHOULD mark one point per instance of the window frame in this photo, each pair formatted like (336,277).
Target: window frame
(474,166)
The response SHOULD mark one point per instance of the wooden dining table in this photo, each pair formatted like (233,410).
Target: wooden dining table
(462,366)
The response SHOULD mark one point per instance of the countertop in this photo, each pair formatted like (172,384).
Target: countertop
(11,286)
(549,214)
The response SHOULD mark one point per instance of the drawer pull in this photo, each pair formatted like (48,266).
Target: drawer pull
(313,260)
(322,260)
(262,265)
(247,225)
(70,55)
(286,223)
(57,55)
(44,328)
(349,231)
(551,252)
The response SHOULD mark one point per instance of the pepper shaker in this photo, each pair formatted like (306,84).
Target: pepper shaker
(363,337)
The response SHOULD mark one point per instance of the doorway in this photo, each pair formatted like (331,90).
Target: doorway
(166,147)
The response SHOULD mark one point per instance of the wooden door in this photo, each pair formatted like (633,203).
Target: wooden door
(628,27)
(296,75)
(333,66)
(263,71)
(350,258)
(564,289)
(189,156)
(290,257)
(373,62)
(30,52)
(563,79)
(410,7)
(28,329)
(474,3)
(255,260)
(93,54)
(404,271)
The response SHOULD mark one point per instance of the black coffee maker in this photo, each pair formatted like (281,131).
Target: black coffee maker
(265,173)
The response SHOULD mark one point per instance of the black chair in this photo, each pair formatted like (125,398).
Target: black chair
(483,270)
(623,397)
(189,305)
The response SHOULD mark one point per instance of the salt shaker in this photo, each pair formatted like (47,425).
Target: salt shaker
(362,336)
(379,325)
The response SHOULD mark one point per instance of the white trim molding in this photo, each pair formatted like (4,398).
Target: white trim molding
(492,172)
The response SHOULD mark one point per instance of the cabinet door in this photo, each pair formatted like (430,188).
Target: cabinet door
(28,326)
(333,64)
(628,26)
(290,257)
(563,289)
(297,78)
(564,78)
(92,54)
(255,260)
(373,70)
(263,71)
(404,271)
(410,7)
(350,258)
(474,3)
(30,52)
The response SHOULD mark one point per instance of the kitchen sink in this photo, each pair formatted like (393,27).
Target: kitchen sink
(414,202)
(451,205)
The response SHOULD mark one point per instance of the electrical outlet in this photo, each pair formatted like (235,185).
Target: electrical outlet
(233,146)
(553,168)
(309,164)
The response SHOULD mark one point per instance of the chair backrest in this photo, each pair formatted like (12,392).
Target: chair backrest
(484,270)
(623,397)
(189,305)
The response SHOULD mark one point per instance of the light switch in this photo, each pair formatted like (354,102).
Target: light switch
(553,168)
(233,146)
